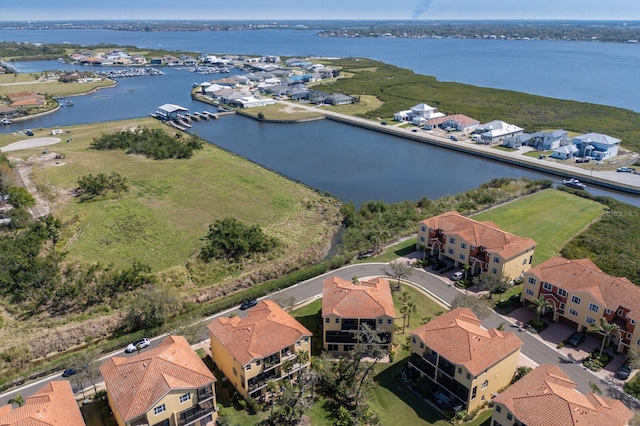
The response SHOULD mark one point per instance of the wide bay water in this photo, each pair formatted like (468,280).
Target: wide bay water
(352,164)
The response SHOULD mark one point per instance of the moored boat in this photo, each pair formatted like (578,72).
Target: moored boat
(574,183)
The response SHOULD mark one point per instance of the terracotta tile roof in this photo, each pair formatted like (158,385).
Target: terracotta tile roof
(582,275)
(547,397)
(368,299)
(28,102)
(266,329)
(460,338)
(136,384)
(22,95)
(462,119)
(52,405)
(485,234)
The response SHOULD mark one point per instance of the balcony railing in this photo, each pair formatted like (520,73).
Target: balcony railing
(340,337)
(193,414)
(204,394)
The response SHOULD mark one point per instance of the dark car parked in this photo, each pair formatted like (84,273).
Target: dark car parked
(249,303)
(624,371)
(576,339)
(437,265)
(69,372)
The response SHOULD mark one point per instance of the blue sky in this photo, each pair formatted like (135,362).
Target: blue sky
(38,10)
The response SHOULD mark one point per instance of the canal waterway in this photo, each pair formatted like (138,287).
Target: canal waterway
(350,163)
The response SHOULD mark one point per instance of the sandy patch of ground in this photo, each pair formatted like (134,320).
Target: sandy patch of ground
(290,110)
(30,143)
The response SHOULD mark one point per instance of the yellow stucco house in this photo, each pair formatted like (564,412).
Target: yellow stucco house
(465,363)
(53,404)
(346,306)
(168,385)
(546,397)
(266,345)
(481,245)
(581,294)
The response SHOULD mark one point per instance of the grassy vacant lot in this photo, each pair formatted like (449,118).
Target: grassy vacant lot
(550,217)
(283,112)
(53,88)
(367,103)
(171,203)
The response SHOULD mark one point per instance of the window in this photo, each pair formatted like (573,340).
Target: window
(547,286)
(186,397)
(423,228)
(530,292)
(496,259)
(421,345)
(337,320)
(485,384)
(473,392)
(530,259)
(327,319)
(562,292)
(159,409)
(389,321)
(452,240)
(379,320)
(498,408)
(473,247)
(450,251)
(593,307)
(258,362)
(413,339)
(532,280)
(494,270)
(459,370)
(422,239)
(562,306)
(463,245)
(633,322)
(332,348)
(461,256)
(638,342)
(248,367)
(468,376)
(298,343)
(235,372)
(575,299)
(590,320)
(620,313)
(524,261)
(509,416)
(573,312)
(628,335)
(306,340)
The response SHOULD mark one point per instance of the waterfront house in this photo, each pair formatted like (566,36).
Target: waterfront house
(481,245)
(495,131)
(53,404)
(8,112)
(546,396)
(418,114)
(457,122)
(465,363)
(339,99)
(597,146)
(581,294)
(252,102)
(547,141)
(346,305)
(516,141)
(262,347)
(166,385)
(565,152)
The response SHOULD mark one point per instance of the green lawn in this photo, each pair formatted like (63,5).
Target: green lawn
(550,217)
(171,203)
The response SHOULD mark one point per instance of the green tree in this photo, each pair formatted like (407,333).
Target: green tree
(478,306)
(20,197)
(17,399)
(151,308)
(232,240)
(605,328)
(541,305)
(411,309)
(494,284)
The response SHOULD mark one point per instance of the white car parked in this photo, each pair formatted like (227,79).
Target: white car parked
(457,275)
(140,343)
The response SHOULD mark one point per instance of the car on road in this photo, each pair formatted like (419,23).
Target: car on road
(457,275)
(28,132)
(69,372)
(137,344)
(384,123)
(624,169)
(249,303)
(437,265)
(624,371)
(414,130)
(576,339)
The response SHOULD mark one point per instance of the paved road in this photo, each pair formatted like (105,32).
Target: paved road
(439,287)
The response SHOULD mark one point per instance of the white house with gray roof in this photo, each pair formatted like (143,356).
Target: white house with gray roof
(597,145)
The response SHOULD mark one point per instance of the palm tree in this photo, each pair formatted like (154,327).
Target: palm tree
(411,308)
(355,280)
(541,304)
(605,329)
(17,399)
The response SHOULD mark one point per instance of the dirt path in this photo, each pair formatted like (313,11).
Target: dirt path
(30,143)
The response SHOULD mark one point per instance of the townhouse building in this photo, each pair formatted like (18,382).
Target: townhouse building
(465,363)
(481,245)
(547,397)
(266,345)
(347,305)
(168,385)
(580,294)
(53,404)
